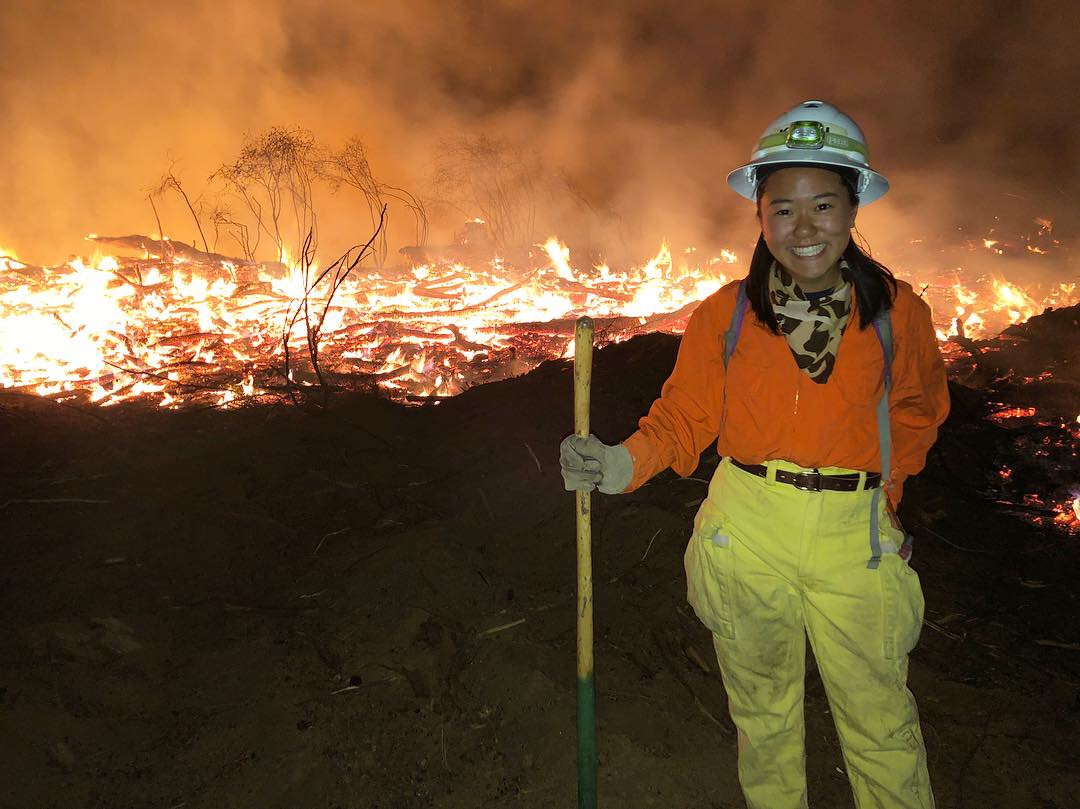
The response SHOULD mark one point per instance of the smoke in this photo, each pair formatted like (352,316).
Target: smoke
(634,111)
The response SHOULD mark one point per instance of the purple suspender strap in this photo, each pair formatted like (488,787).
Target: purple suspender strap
(883,329)
(731,336)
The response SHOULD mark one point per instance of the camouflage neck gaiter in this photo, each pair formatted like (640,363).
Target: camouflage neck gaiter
(813,326)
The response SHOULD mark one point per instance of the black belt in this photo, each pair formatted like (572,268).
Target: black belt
(813,481)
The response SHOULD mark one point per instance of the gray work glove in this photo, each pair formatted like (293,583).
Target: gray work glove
(589,463)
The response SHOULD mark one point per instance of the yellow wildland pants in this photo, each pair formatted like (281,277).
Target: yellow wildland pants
(769,565)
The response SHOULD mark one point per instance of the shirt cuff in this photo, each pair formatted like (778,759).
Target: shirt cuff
(641,453)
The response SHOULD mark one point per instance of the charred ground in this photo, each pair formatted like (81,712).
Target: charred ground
(373,606)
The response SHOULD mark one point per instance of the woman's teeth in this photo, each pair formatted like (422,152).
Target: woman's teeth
(809,252)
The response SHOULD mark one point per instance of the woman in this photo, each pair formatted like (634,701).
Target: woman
(795,538)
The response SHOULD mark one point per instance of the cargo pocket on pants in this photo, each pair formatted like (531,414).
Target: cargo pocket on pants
(710,563)
(903,605)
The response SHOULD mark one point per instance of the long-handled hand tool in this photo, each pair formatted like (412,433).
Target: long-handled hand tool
(586,686)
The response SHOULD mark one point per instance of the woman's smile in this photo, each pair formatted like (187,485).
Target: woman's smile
(812,251)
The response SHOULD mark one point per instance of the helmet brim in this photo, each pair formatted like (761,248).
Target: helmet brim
(743,179)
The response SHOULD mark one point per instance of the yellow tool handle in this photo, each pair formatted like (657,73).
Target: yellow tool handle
(586,685)
(583,345)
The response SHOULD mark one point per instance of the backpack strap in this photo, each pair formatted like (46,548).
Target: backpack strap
(883,328)
(731,336)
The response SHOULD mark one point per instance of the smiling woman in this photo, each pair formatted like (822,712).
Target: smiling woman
(819,414)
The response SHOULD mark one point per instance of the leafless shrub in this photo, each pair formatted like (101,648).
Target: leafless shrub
(222,218)
(493,179)
(350,167)
(273,176)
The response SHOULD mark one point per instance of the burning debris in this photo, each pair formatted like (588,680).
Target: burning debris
(187,326)
(182,325)
(1024,383)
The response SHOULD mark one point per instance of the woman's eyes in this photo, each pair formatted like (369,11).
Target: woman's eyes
(821,206)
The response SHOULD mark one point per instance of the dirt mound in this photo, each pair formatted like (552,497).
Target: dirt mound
(373,606)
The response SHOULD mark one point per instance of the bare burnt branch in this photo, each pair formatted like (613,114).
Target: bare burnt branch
(170,182)
(337,271)
(222,217)
(157,218)
(165,248)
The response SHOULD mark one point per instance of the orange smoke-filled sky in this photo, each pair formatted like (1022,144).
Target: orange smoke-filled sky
(640,107)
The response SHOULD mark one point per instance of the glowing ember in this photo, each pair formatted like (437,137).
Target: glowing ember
(1013,413)
(1068,515)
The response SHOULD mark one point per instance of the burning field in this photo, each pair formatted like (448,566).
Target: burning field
(175,326)
(182,327)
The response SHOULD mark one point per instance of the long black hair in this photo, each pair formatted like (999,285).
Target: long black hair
(875,285)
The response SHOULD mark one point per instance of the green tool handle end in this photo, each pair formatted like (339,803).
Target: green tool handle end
(586,739)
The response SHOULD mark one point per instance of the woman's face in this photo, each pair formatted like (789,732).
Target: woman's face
(806,216)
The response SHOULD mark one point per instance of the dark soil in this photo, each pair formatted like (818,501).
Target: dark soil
(373,606)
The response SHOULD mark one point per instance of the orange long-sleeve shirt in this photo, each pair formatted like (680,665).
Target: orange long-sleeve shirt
(764,407)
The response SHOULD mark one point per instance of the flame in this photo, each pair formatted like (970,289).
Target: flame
(1067,515)
(178,329)
(1014,301)
(991,305)
(559,254)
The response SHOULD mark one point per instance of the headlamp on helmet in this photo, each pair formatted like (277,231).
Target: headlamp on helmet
(806,135)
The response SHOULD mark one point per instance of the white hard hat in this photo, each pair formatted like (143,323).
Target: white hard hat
(813,133)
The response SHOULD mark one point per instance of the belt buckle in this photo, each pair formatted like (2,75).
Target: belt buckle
(800,481)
